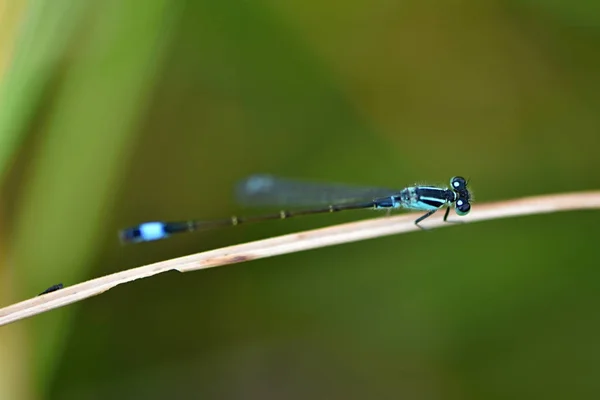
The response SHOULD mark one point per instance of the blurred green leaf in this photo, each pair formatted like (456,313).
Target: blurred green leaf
(92,123)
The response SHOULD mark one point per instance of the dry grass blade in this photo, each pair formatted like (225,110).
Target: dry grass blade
(344,233)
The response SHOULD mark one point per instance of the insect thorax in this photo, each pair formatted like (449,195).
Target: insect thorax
(425,197)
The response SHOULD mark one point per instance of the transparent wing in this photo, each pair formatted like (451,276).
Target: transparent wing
(265,190)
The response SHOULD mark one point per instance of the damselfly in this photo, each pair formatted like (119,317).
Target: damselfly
(269,190)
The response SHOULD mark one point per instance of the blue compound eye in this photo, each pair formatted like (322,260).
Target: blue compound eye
(462,207)
(458,183)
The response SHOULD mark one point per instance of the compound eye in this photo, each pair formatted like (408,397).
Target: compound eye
(462,207)
(458,183)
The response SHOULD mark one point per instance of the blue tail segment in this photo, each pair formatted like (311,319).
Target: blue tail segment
(145,232)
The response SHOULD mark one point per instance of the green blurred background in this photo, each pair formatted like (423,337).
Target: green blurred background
(116,112)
